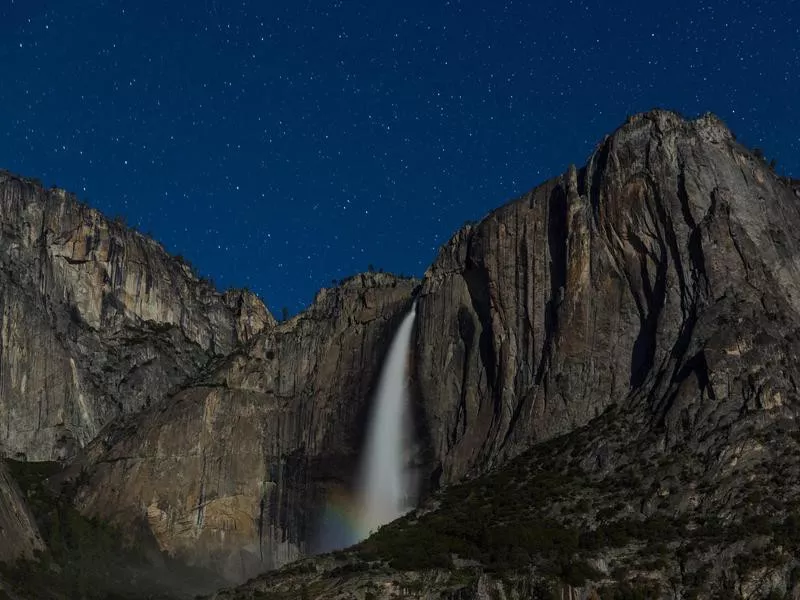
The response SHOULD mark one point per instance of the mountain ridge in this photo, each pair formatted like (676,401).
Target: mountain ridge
(98,320)
(641,314)
(575,196)
(626,336)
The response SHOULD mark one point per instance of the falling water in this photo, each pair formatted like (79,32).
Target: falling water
(385,488)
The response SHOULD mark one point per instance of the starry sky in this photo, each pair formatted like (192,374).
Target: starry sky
(280,145)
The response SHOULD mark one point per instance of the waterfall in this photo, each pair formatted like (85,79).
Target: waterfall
(385,487)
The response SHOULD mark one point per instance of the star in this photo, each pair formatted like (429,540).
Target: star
(311,141)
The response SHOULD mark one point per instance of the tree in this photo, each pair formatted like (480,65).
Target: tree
(284,314)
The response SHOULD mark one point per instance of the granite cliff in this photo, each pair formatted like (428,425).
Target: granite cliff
(608,364)
(666,269)
(18,528)
(611,362)
(233,472)
(97,321)
(199,422)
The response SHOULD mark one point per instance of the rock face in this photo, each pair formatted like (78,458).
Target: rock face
(97,321)
(658,284)
(647,307)
(667,269)
(17,526)
(232,472)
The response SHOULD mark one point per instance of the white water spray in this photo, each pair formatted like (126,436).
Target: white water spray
(385,486)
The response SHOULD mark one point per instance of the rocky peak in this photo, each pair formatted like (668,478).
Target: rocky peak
(361,293)
(629,332)
(609,282)
(250,313)
(97,320)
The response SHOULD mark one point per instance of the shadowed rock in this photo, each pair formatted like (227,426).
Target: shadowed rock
(18,531)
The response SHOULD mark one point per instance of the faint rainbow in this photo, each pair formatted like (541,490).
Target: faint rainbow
(343,523)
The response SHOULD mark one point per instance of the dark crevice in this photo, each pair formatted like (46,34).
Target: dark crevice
(671,240)
(683,197)
(477,280)
(696,254)
(466,331)
(698,366)
(557,246)
(737,246)
(644,347)
(598,170)
(678,352)
(261,509)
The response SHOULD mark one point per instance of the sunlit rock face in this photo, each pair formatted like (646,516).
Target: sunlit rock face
(96,320)
(233,472)
(666,268)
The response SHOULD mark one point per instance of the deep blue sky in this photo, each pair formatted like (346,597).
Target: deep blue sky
(279,145)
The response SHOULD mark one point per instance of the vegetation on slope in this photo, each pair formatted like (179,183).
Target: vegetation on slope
(599,508)
(546,510)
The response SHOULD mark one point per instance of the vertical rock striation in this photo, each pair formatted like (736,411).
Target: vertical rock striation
(662,270)
(96,321)
(232,472)
(663,277)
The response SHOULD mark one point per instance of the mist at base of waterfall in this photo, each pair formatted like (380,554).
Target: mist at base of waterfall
(386,490)
(386,486)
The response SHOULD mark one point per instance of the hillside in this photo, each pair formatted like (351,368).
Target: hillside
(602,512)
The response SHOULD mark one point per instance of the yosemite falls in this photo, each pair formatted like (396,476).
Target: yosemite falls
(385,488)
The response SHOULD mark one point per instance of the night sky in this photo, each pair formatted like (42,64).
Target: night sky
(280,145)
